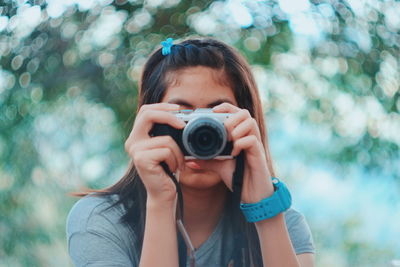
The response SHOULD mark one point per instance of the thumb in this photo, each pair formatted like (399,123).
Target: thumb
(224,167)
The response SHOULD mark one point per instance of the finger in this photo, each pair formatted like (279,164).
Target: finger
(246,127)
(165,142)
(168,158)
(144,123)
(235,119)
(248,143)
(156,156)
(160,106)
(160,116)
(224,167)
(225,108)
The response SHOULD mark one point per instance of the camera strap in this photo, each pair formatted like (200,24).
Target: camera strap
(237,182)
(179,223)
(237,179)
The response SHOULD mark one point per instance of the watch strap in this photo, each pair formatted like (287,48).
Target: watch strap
(269,207)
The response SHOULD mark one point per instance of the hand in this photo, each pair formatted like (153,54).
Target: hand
(148,152)
(244,132)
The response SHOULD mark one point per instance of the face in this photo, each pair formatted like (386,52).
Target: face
(198,87)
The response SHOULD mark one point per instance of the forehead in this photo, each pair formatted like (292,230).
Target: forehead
(199,86)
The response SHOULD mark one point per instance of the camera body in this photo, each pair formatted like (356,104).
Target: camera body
(204,136)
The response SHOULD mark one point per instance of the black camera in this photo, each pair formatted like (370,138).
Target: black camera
(204,136)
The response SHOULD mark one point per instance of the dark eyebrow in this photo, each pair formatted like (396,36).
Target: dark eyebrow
(183,102)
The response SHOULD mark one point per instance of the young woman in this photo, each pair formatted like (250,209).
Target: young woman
(133,222)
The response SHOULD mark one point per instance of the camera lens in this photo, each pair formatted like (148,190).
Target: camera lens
(204,137)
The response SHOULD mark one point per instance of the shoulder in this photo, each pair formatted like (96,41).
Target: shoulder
(299,232)
(96,234)
(92,212)
(292,216)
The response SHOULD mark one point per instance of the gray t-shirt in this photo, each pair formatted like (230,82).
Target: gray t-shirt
(97,237)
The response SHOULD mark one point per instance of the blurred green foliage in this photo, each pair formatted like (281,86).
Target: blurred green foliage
(68,83)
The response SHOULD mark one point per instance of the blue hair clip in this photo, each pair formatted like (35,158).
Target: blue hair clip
(167,44)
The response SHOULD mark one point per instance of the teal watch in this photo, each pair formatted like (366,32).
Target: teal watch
(269,207)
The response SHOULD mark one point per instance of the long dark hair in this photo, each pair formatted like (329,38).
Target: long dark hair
(219,56)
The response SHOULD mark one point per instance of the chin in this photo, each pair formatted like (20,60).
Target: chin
(199,179)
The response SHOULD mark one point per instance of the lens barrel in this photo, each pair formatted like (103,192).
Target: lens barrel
(204,137)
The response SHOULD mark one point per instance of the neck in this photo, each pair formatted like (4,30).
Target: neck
(202,211)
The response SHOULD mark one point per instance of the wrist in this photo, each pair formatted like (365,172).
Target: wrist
(259,193)
(160,204)
(259,188)
(274,222)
